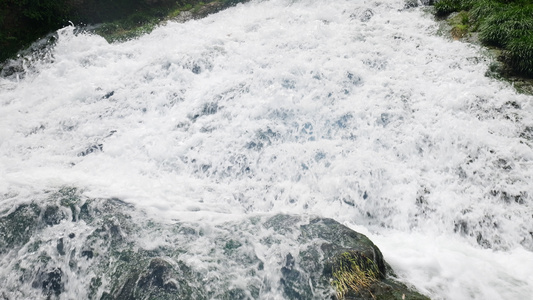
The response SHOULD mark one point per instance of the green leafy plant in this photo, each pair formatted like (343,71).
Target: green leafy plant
(445,7)
(460,24)
(506,24)
(483,8)
(520,54)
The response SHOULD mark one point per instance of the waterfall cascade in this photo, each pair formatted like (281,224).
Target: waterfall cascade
(350,110)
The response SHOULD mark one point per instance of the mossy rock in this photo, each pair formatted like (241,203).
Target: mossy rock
(108,257)
(17,227)
(337,243)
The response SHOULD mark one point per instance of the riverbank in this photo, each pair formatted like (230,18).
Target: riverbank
(23,23)
(504,27)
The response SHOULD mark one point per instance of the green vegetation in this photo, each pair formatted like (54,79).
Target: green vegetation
(445,7)
(506,24)
(24,21)
(460,25)
(353,272)
(131,26)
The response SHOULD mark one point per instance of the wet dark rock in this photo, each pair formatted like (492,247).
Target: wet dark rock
(208,9)
(343,121)
(207,109)
(354,79)
(108,95)
(348,200)
(366,15)
(121,268)
(159,280)
(91,149)
(157,275)
(340,239)
(231,245)
(411,4)
(196,69)
(290,279)
(51,282)
(60,247)
(235,294)
(428,2)
(11,68)
(87,253)
(210,109)
(330,240)
(510,197)
(18,226)
(527,133)
(363,15)
(127,291)
(53,215)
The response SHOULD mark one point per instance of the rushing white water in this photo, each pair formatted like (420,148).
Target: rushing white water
(354,110)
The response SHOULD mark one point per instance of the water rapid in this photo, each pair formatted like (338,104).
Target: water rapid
(353,110)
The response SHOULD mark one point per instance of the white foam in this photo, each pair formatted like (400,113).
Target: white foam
(300,107)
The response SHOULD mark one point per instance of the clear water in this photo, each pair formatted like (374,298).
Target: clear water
(354,110)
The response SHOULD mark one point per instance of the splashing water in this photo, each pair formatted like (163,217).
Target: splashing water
(354,110)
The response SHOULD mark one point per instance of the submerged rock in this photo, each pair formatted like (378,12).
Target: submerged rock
(118,253)
(17,227)
(51,283)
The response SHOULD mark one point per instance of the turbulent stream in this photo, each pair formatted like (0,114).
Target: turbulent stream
(352,110)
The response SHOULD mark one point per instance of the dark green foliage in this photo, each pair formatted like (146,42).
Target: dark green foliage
(445,7)
(520,54)
(507,24)
(483,8)
(24,21)
(21,22)
(48,13)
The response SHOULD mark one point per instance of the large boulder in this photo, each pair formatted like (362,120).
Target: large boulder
(107,249)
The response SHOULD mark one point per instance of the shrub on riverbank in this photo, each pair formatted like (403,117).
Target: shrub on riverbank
(24,21)
(506,24)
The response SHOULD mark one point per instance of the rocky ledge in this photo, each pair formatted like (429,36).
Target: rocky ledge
(67,245)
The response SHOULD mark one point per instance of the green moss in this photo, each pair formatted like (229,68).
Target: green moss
(145,21)
(174,13)
(460,25)
(187,6)
(134,25)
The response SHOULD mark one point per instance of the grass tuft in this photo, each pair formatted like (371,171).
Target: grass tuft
(446,7)
(483,8)
(506,24)
(520,54)
(353,271)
